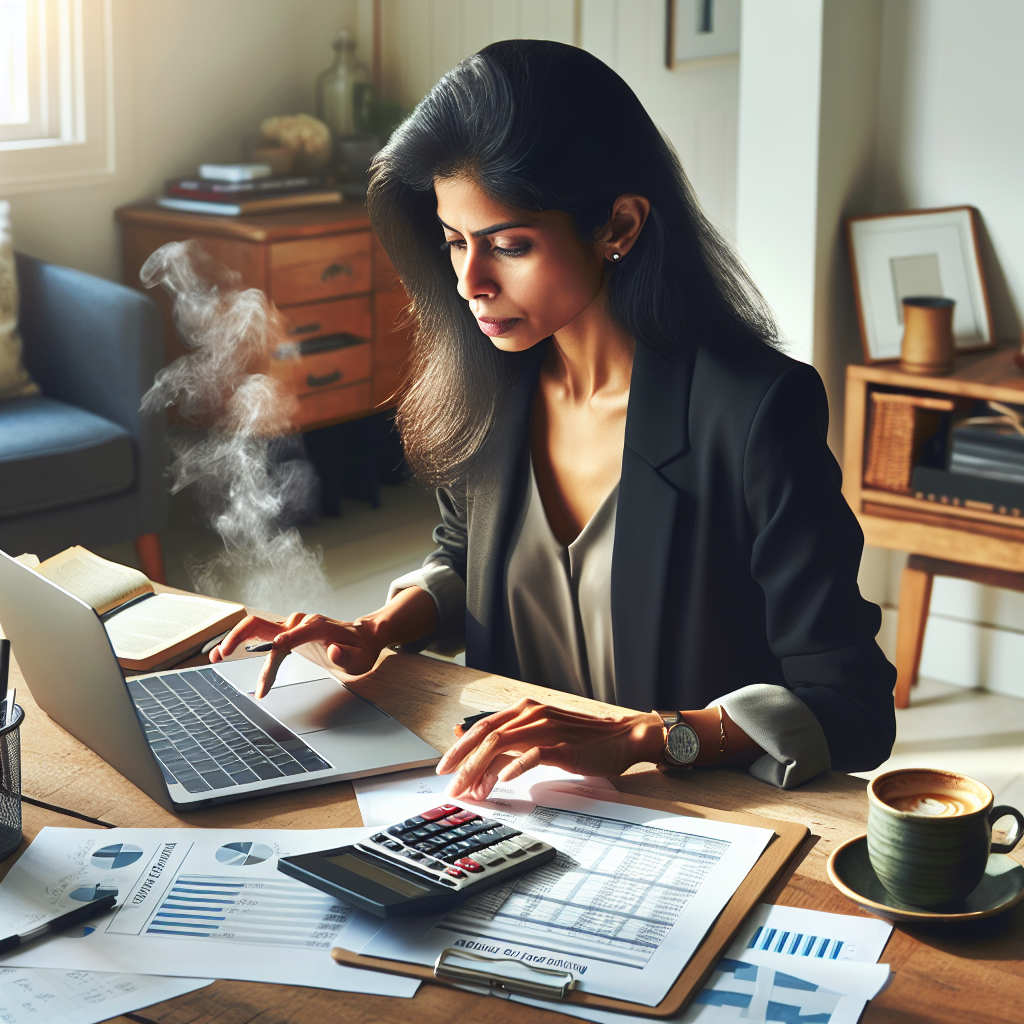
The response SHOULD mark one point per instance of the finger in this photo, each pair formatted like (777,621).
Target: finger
(318,629)
(561,755)
(268,674)
(251,627)
(469,740)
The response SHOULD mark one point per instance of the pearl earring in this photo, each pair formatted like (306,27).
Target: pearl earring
(616,255)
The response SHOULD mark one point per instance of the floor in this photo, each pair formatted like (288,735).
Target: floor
(978,733)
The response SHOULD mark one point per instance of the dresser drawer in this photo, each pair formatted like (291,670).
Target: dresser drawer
(322,370)
(332,404)
(320,268)
(323,319)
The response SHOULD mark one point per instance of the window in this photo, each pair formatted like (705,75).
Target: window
(56,97)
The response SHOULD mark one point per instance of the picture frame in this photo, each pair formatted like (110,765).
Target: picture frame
(920,252)
(701,32)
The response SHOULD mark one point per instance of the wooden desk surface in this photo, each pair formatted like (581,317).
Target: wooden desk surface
(973,973)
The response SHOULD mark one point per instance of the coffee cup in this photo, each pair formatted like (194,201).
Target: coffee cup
(930,835)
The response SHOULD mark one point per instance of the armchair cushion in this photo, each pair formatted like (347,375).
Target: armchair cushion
(54,454)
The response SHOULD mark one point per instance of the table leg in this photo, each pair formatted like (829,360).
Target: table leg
(915,599)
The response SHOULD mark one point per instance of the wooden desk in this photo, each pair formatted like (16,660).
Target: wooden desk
(943,540)
(969,974)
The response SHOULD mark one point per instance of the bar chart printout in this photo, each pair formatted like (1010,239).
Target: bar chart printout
(613,893)
(265,911)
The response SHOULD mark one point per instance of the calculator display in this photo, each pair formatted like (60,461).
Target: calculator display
(379,875)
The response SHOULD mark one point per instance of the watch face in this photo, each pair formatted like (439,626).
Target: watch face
(683,745)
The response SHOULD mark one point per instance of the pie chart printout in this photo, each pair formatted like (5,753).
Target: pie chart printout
(241,855)
(88,893)
(120,855)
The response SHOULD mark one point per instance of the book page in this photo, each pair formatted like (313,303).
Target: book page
(147,627)
(95,580)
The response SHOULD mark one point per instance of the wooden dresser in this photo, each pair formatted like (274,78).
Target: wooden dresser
(967,540)
(327,273)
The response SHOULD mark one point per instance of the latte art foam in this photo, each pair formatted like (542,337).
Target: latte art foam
(934,805)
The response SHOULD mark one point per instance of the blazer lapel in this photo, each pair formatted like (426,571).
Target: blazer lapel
(496,483)
(657,440)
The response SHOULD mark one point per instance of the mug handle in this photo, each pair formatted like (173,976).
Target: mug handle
(1000,812)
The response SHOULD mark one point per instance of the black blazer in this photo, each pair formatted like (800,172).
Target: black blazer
(735,556)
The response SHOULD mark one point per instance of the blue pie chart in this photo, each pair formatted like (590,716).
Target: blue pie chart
(88,893)
(120,855)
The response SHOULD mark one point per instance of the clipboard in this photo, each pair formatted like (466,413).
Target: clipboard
(788,838)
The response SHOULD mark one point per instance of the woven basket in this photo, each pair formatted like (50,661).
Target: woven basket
(900,424)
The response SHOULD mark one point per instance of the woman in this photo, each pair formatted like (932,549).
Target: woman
(638,503)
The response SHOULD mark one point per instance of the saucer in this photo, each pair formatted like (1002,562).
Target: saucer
(850,871)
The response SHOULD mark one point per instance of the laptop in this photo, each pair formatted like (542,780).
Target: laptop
(194,737)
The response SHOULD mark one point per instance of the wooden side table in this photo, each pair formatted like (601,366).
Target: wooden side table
(326,271)
(943,540)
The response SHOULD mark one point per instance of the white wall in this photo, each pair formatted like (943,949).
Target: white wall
(951,132)
(696,107)
(192,78)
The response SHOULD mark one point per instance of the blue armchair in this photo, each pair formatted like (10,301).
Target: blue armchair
(79,464)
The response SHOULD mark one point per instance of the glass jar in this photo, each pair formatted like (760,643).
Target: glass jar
(343,92)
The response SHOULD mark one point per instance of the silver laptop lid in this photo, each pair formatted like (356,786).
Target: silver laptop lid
(65,655)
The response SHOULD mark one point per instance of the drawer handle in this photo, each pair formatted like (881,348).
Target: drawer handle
(305,329)
(328,378)
(334,269)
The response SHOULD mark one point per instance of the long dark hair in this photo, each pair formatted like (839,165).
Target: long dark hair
(542,126)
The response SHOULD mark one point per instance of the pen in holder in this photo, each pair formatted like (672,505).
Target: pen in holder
(10,782)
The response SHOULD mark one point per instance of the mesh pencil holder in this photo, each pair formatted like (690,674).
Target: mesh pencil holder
(10,784)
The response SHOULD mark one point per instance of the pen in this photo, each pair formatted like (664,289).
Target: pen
(5,668)
(58,924)
(262,648)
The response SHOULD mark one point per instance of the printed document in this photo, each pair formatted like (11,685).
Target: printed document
(785,965)
(187,897)
(624,906)
(385,799)
(31,995)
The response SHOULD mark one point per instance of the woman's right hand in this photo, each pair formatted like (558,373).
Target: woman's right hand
(354,647)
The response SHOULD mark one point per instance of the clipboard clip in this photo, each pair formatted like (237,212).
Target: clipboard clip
(503,975)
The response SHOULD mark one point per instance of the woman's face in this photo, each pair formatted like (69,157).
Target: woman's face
(524,274)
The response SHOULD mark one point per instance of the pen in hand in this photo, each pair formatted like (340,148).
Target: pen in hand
(58,924)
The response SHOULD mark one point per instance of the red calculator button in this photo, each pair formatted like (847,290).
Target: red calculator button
(439,812)
(455,873)
(469,864)
(461,818)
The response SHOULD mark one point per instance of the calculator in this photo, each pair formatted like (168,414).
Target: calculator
(428,864)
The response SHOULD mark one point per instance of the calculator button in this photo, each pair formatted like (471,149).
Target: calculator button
(436,813)
(504,832)
(392,845)
(457,833)
(414,855)
(461,818)
(380,838)
(455,873)
(425,847)
(437,865)
(418,833)
(396,830)
(468,864)
(431,828)
(447,852)
(413,822)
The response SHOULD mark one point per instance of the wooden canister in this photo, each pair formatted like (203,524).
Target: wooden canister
(927,335)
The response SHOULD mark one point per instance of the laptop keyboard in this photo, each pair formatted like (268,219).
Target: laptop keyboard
(207,736)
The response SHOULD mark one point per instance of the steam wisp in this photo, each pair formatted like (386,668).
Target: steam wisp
(246,491)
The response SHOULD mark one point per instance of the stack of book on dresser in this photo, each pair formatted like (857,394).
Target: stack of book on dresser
(231,190)
(986,466)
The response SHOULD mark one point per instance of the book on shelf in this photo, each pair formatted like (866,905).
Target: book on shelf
(239,207)
(235,172)
(147,630)
(201,187)
(965,490)
(993,450)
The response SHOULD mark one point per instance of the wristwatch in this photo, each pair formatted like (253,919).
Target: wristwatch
(682,744)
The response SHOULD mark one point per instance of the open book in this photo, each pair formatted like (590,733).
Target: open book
(147,630)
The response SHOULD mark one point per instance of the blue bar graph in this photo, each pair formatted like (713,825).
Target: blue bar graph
(269,912)
(775,940)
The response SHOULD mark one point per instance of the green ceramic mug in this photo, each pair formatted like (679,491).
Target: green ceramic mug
(930,834)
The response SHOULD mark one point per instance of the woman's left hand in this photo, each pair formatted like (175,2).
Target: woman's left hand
(525,734)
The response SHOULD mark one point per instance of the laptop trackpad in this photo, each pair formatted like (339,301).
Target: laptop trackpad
(320,704)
